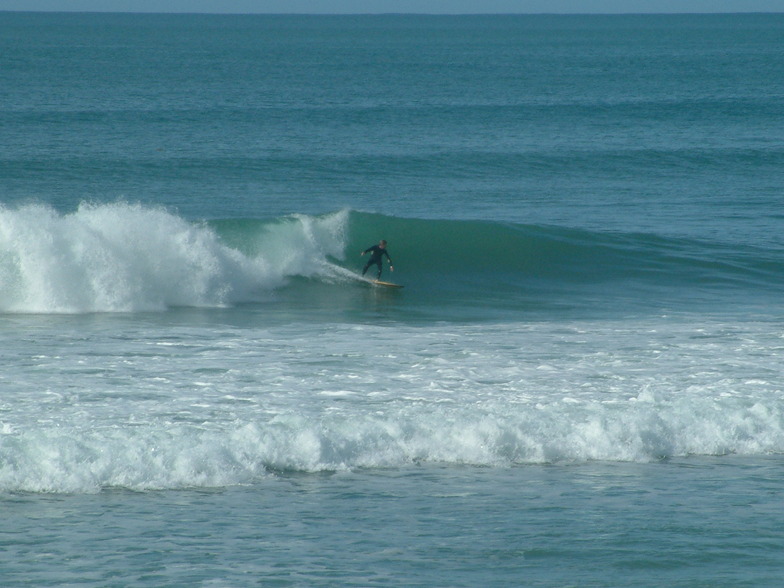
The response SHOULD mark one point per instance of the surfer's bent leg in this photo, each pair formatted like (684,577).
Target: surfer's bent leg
(368,264)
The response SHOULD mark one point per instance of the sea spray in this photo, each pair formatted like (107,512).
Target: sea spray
(124,257)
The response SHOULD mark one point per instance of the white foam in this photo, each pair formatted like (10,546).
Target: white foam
(137,414)
(123,257)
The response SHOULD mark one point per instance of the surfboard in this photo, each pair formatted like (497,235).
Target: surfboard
(386,284)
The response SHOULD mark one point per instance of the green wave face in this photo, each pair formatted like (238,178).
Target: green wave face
(451,263)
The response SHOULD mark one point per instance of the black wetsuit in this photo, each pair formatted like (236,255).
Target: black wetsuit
(376,255)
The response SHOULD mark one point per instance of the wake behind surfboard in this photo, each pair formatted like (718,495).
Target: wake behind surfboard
(346,273)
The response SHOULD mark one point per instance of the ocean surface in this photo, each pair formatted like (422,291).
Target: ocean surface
(581,383)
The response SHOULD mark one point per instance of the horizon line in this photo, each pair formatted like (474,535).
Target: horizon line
(241,13)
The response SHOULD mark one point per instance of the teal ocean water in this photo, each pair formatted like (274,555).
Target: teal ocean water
(580,384)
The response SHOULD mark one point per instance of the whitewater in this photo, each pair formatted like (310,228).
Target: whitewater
(126,258)
(166,403)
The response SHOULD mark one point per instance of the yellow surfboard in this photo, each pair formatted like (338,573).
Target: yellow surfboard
(386,284)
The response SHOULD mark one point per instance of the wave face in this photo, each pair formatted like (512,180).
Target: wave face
(124,257)
(568,255)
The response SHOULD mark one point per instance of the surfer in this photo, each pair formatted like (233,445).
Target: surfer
(377,253)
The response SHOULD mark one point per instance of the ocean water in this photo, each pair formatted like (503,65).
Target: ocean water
(580,384)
